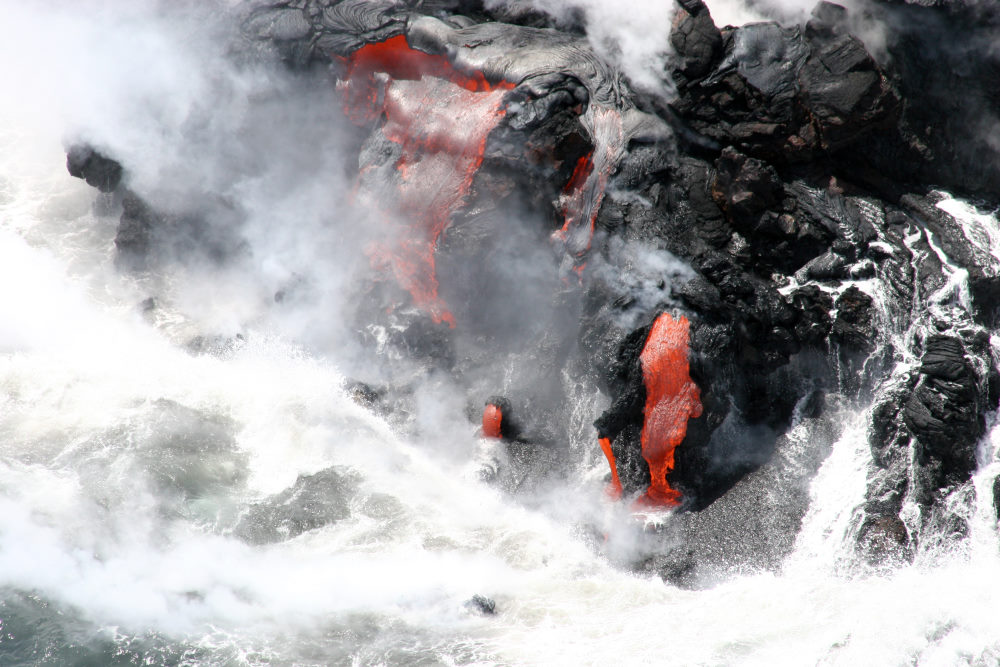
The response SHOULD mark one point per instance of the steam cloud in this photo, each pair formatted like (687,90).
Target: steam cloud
(636,40)
(208,132)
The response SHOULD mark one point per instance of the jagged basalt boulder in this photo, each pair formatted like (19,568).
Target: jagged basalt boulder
(945,416)
(103,173)
(696,41)
(776,92)
(854,325)
(312,502)
(937,411)
(844,90)
(745,187)
(482,605)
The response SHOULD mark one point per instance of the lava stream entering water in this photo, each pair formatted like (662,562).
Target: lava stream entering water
(614,489)
(672,398)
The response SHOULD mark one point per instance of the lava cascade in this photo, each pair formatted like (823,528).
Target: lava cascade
(441,118)
(614,489)
(672,398)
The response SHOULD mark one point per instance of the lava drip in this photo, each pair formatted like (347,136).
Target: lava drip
(441,118)
(582,197)
(614,489)
(672,398)
(492,419)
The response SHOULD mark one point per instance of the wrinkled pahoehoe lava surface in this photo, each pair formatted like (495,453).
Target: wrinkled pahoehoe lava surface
(763,249)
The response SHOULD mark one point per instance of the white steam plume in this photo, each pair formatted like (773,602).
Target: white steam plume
(156,86)
(636,38)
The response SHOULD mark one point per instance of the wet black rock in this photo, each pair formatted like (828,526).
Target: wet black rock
(884,540)
(996,496)
(934,416)
(100,172)
(854,325)
(945,415)
(976,258)
(814,307)
(312,502)
(481,605)
(365,394)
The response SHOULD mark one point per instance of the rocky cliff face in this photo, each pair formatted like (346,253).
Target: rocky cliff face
(541,218)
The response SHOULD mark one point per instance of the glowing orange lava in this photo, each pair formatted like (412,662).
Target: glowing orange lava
(671,399)
(492,418)
(441,118)
(614,489)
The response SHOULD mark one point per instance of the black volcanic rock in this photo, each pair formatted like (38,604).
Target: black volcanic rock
(844,90)
(481,605)
(696,41)
(312,502)
(854,325)
(745,187)
(945,66)
(936,411)
(776,93)
(996,496)
(945,415)
(99,171)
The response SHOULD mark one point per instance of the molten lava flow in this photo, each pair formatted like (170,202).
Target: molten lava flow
(582,197)
(441,118)
(492,418)
(671,399)
(614,489)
